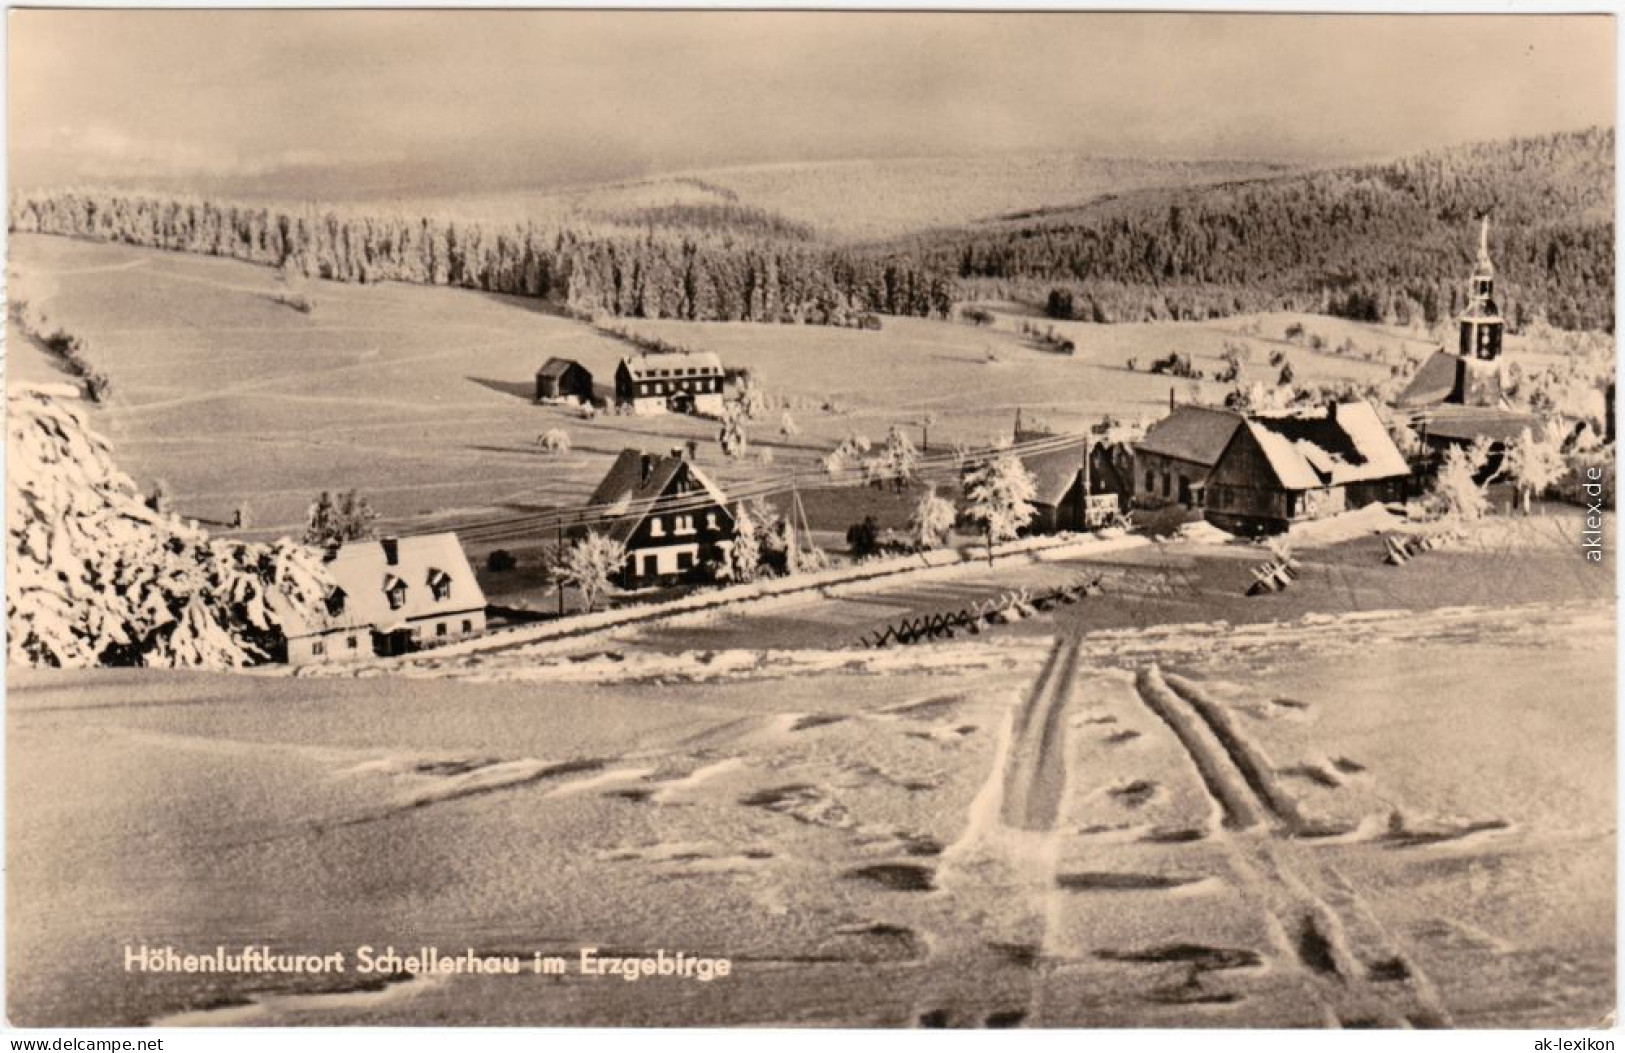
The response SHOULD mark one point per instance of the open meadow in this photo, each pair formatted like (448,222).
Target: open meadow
(1381,812)
(420,397)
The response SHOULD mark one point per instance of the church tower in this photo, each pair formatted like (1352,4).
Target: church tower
(1481,324)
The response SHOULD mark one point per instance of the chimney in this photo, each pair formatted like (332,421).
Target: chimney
(693,449)
(1170,398)
(1331,411)
(647,467)
(392,549)
(678,453)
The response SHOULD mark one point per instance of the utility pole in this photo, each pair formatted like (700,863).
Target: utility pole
(558,555)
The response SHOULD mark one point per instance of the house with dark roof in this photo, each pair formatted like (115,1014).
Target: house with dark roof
(391,596)
(672,519)
(563,378)
(1065,497)
(1279,469)
(1173,459)
(677,381)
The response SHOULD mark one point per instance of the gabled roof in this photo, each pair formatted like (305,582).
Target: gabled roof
(1434,381)
(1466,423)
(705,362)
(1054,473)
(628,495)
(1345,443)
(1197,434)
(365,574)
(557,367)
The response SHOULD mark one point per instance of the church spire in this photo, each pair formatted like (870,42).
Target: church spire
(1486,269)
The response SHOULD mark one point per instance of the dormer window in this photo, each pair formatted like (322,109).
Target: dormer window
(439,584)
(395,592)
(335,603)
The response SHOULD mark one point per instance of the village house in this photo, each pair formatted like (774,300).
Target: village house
(391,596)
(672,519)
(1173,459)
(678,382)
(1456,399)
(1060,484)
(563,378)
(1279,469)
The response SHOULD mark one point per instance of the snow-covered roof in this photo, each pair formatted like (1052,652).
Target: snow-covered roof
(365,573)
(1344,443)
(673,364)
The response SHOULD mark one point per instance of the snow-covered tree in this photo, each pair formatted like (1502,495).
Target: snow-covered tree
(732,434)
(897,464)
(849,453)
(1534,463)
(589,564)
(999,492)
(745,557)
(1456,494)
(748,397)
(332,521)
(96,577)
(932,521)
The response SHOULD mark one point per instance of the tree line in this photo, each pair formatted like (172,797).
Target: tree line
(734,265)
(1386,242)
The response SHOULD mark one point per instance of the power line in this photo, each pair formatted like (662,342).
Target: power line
(590,515)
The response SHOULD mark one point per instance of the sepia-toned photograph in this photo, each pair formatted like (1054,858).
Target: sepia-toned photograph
(789,519)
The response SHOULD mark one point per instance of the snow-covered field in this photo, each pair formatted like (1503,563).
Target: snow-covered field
(1379,817)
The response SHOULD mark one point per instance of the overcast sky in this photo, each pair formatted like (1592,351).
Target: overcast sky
(426,102)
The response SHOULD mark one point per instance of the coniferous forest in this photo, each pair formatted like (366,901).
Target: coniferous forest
(1384,242)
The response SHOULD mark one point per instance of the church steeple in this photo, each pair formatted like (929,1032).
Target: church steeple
(1481,324)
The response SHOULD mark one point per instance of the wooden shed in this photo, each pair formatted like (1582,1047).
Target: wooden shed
(563,378)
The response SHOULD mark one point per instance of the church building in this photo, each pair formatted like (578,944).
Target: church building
(1457,397)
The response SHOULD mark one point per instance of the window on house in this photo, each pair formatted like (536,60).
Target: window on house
(651,565)
(657,527)
(318,647)
(350,642)
(397,595)
(440,584)
(1167,485)
(710,520)
(468,626)
(685,525)
(1150,481)
(440,628)
(335,602)
(685,560)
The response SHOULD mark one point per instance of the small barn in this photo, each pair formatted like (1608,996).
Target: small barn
(668,513)
(1174,457)
(677,382)
(1278,469)
(563,378)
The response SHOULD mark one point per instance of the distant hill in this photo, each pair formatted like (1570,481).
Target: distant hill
(871,200)
(1098,239)
(835,201)
(1378,241)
